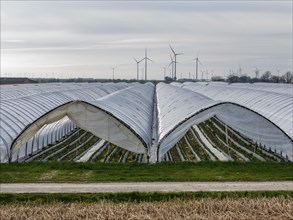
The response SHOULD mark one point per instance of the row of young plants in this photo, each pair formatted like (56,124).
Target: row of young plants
(82,149)
(65,141)
(219,142)
(55,156)
(174,155)
(199,148)
(189,148)
(235,144)
(70,148)
(249,144)
(111,153)
(238,148)
(186,150)
(231,142)
(78,142)
(208,151)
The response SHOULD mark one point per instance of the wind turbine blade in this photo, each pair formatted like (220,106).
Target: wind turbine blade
(150,60)
(141,60)
(170,64)
(172,49)
(179,54)
(200,63)
(135,60)
(171,57)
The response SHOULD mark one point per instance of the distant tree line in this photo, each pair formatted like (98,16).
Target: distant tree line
(266,77)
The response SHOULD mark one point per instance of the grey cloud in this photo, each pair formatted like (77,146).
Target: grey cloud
(195,6)
(90,37)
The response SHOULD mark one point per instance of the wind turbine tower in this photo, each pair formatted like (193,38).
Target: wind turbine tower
(257,72)
(146,64)
(164,67)
(172,66)
(137,67)
(202,72)
(196,67)
(113,69)
(212,73)
(175,60)
(207,75)
(240,71)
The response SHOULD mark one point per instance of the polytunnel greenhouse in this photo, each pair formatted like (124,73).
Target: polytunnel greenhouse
(133,122)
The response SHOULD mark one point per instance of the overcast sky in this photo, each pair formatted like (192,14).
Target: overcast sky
(88,38)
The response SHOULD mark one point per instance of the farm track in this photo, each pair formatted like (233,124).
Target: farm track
(143,187)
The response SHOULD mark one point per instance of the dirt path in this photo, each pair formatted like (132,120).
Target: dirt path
(142,187)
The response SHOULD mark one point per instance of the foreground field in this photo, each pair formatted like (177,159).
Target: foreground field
(203,208)
(180,171)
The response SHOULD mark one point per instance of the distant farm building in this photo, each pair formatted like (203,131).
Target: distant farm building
(15,80)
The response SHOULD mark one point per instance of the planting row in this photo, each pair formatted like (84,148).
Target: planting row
(80,145)
(214,140)
(210,140)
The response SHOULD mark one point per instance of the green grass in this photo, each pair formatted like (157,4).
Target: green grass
(46,198)
(180,171)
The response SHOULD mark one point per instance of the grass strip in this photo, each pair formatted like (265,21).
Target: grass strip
(43,198)
(180,171)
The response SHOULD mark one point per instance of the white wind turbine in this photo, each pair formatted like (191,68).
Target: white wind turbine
(196,67)
(257,71)
(164,67)
(146,63)
(113,69)
(137,67)
(175,60)
(202,72)
(172,66)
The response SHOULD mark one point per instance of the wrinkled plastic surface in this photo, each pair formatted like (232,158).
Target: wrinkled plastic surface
(123,113)
(20,110)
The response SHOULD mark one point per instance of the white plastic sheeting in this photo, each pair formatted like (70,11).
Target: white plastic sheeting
(268,87)
(48,134)
(109,118)
(91,151)
(180,108)
(175,105)
(22,90)
(275,106)
(21,105)
(124,113)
